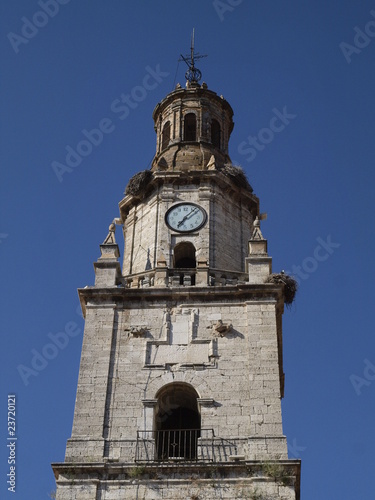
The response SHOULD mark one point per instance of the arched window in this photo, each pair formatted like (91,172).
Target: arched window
(215,133)
(190,127)
(184,255)
(177,422)
(166,135)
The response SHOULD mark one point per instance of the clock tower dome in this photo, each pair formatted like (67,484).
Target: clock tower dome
(181,374)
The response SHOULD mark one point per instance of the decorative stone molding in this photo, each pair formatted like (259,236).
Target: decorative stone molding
(221,329)
(257,233)
(137,331)
(149,403)
(205,402)
(236,458)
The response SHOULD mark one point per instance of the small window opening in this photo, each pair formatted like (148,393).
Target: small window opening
(215,133)
(166,135)
(190,127)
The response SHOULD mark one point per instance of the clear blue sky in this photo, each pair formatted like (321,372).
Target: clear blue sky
(312,61)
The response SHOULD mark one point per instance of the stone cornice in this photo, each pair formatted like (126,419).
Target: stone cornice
(191,93)
(86,472)
(199,177)
(268,292)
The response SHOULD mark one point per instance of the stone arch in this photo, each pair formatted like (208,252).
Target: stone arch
(191,378)
(177,421)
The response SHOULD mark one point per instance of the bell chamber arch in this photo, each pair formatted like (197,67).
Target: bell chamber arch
(177,422)
(184,255)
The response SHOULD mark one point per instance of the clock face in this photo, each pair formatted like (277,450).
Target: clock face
(185,217)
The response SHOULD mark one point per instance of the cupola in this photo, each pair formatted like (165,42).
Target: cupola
(192,124)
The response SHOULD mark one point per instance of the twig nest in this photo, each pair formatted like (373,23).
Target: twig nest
(138,183)
(237,175)
(290,285)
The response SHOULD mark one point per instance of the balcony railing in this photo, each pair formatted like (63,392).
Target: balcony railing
(182,277)
(174,445)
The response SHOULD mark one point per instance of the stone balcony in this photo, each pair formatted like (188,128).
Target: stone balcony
(182,277)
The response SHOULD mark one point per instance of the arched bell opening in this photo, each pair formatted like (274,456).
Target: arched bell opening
(184,259)
(184,255)
(166,135)
(190,127)
(215,134)
(177,422)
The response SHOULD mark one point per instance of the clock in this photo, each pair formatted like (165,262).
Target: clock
(185,217)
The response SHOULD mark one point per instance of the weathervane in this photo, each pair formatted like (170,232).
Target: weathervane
(193,74)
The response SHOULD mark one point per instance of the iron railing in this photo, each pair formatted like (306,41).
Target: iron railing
(174,445)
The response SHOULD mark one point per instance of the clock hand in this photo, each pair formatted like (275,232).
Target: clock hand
(192,213)
(186,217)
(182,220)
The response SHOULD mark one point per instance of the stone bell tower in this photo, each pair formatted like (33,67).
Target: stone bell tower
(181,374)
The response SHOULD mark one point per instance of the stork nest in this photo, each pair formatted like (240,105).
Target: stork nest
(290,286)
(138,183)
(237,175)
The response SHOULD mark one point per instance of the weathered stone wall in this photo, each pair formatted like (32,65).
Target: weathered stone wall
(253,481)
(222,241)
(92,386)
(225,349)
(230,233)
(199,490)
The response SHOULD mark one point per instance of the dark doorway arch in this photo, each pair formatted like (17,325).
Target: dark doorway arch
(184,255)
(215,133)
(190,127)
(177,422)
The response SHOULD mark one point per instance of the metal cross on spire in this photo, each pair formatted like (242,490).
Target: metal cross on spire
(193,74)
